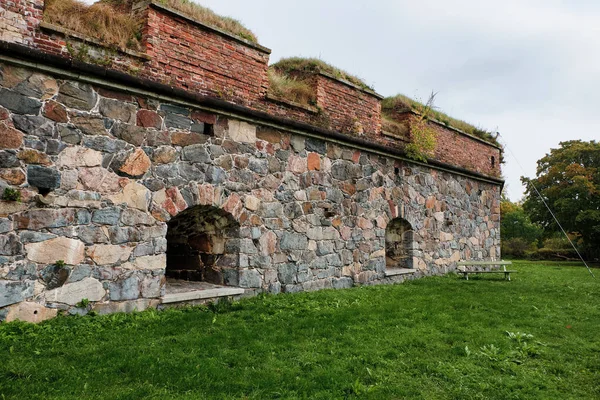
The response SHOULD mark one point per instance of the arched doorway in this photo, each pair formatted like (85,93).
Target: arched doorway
(399,245)
(203,246)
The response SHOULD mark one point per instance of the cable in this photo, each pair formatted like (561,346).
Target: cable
(548,207)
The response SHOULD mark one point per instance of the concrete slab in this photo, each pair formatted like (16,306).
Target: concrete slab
(178,291)
(399,271)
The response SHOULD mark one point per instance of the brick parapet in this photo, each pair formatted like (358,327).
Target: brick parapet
(350,109)
(452,146)
(187,54)
(191,55)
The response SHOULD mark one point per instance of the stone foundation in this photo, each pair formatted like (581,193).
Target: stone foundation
(111,182)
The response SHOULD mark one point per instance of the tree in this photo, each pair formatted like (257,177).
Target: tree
(519,234)
(568,179)
(515,223)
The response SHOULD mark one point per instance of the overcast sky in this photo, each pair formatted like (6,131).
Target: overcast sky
(529,69)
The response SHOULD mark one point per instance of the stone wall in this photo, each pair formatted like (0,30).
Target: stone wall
(101,173)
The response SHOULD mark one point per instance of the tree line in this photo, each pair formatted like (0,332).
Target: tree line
(568,182)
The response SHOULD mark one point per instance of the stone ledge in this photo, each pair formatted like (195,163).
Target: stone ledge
(304,107)
(399,271)
(86,39)
(201,294)
(395,136)
(352,85)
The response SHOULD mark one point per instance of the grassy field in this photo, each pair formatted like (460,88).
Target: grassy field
(537,337)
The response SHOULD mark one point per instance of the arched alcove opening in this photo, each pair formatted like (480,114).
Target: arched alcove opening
(203,246)
(399,245)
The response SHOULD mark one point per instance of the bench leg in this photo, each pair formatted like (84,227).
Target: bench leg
(507,276)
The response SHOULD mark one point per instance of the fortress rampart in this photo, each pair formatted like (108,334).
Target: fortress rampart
(138,171)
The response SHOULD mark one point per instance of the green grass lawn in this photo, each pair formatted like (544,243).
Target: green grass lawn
(435,338)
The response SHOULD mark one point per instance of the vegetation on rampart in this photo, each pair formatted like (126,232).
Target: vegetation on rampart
(101,20)
(389,105)
(290,88)
(291,65)
(111,21)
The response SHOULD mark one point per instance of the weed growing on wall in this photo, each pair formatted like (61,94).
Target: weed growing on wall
(11,194)
(290,88)
(400,102)
(423,136)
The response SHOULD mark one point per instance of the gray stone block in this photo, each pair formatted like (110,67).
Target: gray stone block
(19,104)
(171,108)
(250,278)
(8,160)
(118,110)
(107,216)
(6,225)
(43,178)
(69,134)
(80,272)
(34,125)
(129,133)
(286,273)
(176,121)
(215,175)
(316,145)
(293,241)
(77,95)
(196,153)
(104,144)
(125,289)
(15,292)
(23,270)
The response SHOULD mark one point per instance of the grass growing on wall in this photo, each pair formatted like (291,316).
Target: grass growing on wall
(290,88)
(100,21)
(111,21)
(300,64)
(436,338)
(400,102)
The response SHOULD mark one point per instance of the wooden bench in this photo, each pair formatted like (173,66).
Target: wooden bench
(503,264)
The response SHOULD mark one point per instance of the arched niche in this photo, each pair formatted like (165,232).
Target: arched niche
(399,244)
(203,245)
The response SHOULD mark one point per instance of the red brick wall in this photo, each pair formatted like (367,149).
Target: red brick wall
(465,152)
(19,20)
(191,57)
(350,110)
(455,148)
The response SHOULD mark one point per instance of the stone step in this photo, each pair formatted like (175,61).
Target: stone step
(201,294)
(399,271)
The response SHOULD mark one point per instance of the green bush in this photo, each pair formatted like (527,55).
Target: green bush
(517,247)
(548,254)
(557,243)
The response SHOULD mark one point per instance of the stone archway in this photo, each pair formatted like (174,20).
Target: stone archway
(203,246)
(399,245)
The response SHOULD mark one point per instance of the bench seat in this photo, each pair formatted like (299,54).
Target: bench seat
(485,264)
